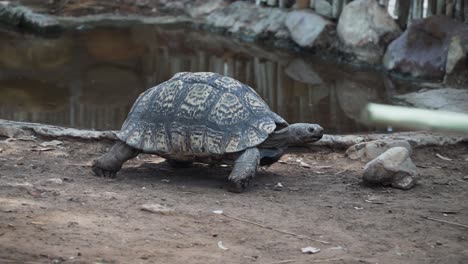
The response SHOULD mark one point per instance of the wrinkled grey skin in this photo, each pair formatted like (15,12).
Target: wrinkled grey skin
(246,162)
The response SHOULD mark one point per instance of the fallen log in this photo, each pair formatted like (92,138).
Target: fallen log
(14,129)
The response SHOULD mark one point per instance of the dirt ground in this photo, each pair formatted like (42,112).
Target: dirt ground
(86,219)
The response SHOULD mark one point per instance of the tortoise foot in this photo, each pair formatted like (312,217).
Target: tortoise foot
(101,172)
(238,186)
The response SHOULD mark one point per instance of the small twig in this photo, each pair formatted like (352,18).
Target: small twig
(444,221)
(284,261)
(462,181)
(311,261)
(324,260)
(341,171)
(445,212)
(345,169)
(275,229)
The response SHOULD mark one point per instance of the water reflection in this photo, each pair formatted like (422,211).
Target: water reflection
(90,78)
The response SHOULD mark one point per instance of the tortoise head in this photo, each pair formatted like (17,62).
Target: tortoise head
(303,133)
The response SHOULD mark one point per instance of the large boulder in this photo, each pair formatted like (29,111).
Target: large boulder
(365,28)
(303,72)
(26,19)
(359,92)
(447,99)
(456,68)
(198,11)
(394,167)
(248,21)
(421,51)
(323,7)
(308,29)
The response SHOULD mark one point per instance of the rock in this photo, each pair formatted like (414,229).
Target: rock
(394,167)
(421,51)
(323,7)
(310,250)
(248,21)
(53,143)
(370,150)
(456,68)
(157,208)
(4,145)
(358,92)
(24,18)
(56,181)
(365,28)
(308,29)
(25,185)
(447,99)
(300,71)
(206,8)
(278,187)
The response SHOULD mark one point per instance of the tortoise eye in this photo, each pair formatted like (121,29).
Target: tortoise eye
(311,129)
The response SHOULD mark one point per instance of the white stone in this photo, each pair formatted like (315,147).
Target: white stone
(394,167)
(307,28)
(323,7)
(362,26)
(447,99)
(157,208)
(206,8)
(56,181)
(302,72)
(367,151)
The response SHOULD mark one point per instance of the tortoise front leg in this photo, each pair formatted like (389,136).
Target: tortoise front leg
(110,163)
(244,170)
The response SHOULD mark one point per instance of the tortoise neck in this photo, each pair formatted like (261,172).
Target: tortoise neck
(277,139)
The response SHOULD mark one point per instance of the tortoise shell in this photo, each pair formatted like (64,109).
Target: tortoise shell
(197,114)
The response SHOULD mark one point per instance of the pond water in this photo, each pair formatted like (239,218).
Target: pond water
(89,78)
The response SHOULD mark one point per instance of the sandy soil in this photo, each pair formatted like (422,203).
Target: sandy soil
(86,219)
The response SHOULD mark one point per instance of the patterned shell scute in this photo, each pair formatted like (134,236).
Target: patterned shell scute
(196,77)
(164,97)
(198,100)
(256,103)
(198,114)
(228,111)
(228,83)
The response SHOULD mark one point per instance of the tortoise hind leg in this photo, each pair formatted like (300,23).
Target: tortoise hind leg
(244,170)
(110,163)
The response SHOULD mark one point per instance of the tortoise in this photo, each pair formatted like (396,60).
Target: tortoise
(205,117)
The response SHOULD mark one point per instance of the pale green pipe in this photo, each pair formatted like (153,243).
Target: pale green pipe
(415,118)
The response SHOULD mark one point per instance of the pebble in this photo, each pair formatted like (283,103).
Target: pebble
(278,187)
(310,250)
(157,208)
(57,181)
(52,143)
